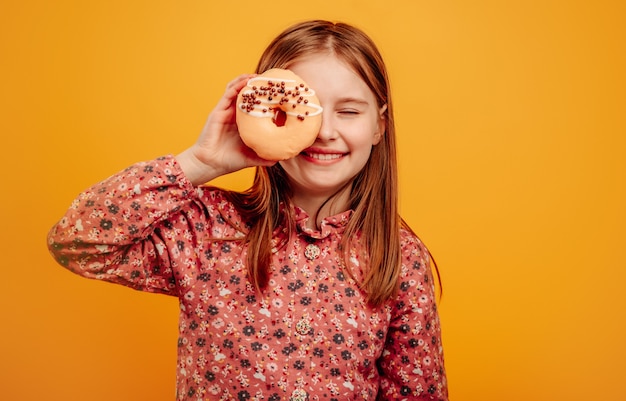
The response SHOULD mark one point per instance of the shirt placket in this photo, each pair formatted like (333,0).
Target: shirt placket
(302,312)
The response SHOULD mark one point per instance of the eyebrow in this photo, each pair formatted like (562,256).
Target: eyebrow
(351,100)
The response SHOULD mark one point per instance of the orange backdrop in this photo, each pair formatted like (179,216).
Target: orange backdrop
(511,118)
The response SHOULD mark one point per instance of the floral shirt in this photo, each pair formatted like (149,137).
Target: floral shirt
(309,336)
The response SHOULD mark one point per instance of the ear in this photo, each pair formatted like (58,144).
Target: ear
(382,124)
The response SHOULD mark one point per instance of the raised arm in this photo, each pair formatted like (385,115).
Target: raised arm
(113,230)
(219,149)
(125,229)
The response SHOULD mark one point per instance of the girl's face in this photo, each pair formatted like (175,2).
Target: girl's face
(351,125)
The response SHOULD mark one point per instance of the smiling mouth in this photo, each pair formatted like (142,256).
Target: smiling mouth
(323,156)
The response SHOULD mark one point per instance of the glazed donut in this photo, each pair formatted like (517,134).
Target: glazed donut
(278,115)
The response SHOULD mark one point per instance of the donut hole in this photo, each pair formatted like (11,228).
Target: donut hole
(280,117)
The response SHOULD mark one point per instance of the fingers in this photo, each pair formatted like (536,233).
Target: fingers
(254,159)
(232,90)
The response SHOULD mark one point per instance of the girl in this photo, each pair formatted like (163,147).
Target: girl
(307,286)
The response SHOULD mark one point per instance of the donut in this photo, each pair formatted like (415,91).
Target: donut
(278,115)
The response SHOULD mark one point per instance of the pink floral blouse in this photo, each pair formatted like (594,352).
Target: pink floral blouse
(309,336)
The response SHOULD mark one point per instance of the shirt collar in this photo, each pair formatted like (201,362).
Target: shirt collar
(332,224)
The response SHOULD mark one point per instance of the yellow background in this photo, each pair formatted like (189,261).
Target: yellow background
(511,116)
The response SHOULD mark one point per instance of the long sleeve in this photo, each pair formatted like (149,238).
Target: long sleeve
(117,230)
(412,364)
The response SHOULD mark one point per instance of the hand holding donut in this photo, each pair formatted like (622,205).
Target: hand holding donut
(259,120)
(219,149)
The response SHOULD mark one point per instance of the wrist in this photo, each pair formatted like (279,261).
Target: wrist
(196,171)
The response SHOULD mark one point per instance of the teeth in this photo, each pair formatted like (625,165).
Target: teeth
(324,156)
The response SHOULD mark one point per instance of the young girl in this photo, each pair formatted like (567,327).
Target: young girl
(307,286)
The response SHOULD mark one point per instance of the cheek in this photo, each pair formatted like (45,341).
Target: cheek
(364,136)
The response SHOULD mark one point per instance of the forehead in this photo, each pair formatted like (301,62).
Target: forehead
(331,77)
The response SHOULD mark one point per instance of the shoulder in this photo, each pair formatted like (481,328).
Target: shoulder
(411,246)
(416,261)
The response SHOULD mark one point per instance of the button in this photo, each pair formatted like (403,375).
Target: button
(303,327)
(311,252)
(298,395)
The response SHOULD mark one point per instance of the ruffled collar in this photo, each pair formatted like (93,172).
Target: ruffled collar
(335,224)
(332,224)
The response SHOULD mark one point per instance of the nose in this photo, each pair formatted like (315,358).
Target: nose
(327,130)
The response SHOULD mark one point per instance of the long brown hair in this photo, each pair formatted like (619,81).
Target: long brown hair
(373,191)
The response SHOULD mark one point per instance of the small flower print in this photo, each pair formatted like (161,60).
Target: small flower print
(338,338)
(293,286)
(289,349)
(204,277)
(106,224)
